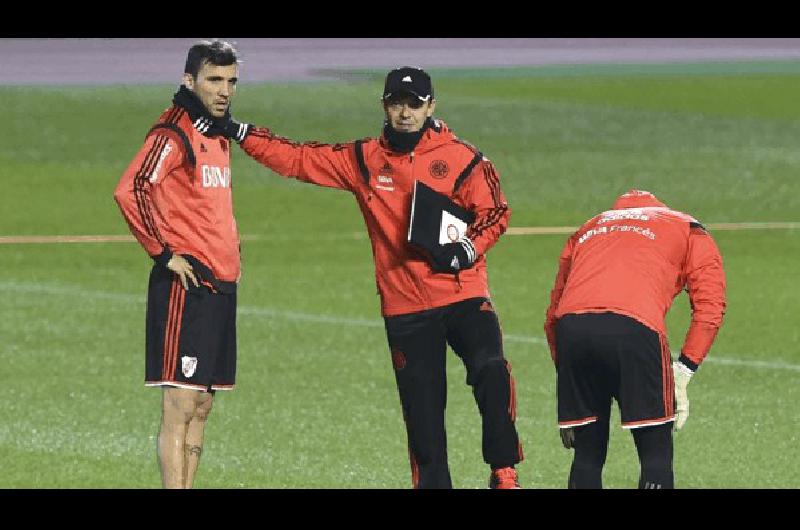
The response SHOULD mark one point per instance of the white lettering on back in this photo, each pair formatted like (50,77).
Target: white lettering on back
(616,215)
(602,230)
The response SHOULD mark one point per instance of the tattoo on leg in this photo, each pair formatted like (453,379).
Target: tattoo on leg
(194,450)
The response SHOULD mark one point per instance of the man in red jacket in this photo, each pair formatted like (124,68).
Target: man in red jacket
(618,275)
(426,303)
(176,198)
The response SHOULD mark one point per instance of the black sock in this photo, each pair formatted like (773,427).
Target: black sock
(590,446)
(654,445)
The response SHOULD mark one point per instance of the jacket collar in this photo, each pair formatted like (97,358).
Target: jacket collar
(637,199)
(202,120)
(436,134)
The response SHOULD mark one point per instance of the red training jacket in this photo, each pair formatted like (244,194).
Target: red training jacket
(170,202)
(634,260)
(405,280)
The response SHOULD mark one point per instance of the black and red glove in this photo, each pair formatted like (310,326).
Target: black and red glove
(454,257)
(233,129)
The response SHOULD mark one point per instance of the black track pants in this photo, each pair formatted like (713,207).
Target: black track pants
(418,343)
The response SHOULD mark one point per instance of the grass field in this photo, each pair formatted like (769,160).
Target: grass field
(316,404)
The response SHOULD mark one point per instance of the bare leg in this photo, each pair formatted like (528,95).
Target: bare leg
(194,438)
(178,406)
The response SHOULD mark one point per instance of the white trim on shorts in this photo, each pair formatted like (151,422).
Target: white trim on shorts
(636,425)
(577,423)
(188,385)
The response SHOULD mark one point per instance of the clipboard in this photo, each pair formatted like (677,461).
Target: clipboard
(435,220)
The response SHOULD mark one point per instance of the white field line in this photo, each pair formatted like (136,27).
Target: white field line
(314,318)
(513,231)
(772,365)
(11,240)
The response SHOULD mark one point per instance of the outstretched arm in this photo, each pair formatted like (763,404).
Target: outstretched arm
(330,165)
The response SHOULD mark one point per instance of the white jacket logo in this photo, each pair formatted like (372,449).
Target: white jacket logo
(166,151)
(188,366)
(214,177)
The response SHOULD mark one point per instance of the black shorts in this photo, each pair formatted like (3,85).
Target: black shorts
(605,355)
(191,335)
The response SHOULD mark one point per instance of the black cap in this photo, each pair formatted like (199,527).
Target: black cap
(408,79)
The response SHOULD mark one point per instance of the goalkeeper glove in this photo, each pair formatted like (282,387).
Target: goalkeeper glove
(454,257)
(682,374)
(568,437)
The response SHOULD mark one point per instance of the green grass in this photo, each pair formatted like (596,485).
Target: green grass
(315,403)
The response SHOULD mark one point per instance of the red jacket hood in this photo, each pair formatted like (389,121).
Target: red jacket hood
(637,199)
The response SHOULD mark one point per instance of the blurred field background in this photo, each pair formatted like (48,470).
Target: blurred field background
(316,404)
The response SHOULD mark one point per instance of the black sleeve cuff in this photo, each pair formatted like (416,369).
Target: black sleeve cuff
(163,258)
(688,363)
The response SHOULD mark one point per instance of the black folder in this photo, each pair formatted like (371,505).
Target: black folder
(435,219)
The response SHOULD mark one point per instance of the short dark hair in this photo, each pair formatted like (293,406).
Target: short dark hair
(216,52)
